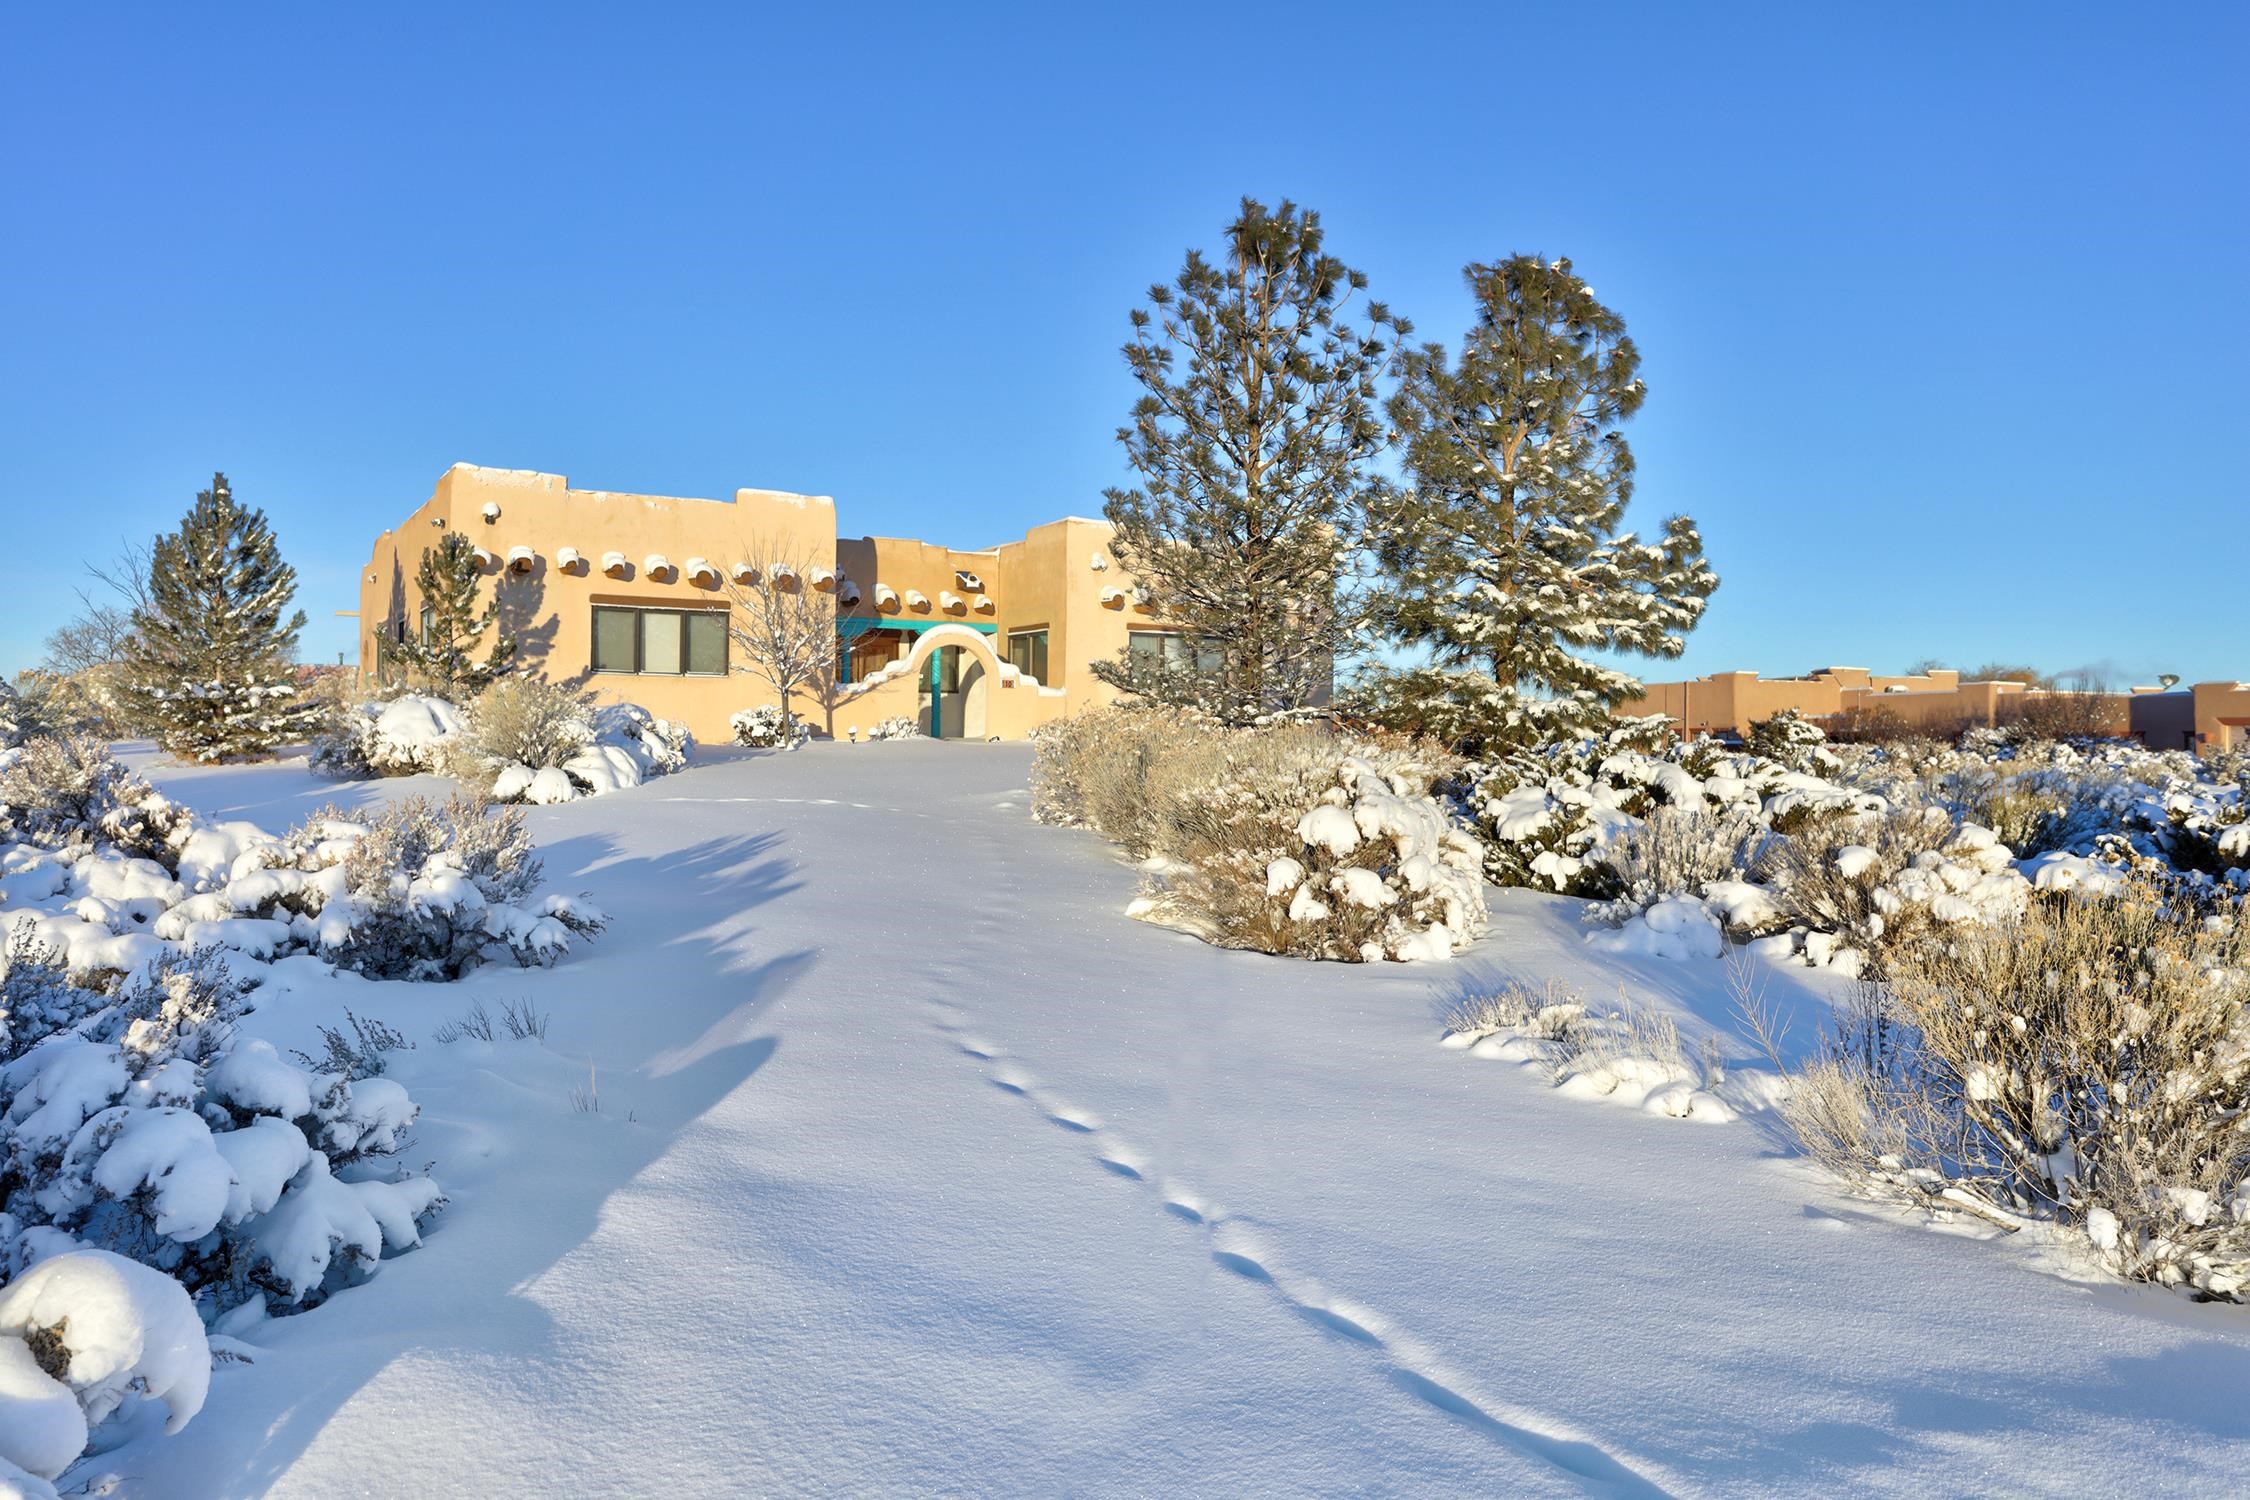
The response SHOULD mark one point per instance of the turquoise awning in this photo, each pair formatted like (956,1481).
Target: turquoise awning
(852,625)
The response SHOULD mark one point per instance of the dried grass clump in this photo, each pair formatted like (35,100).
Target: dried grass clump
(2087,1064)
(1678,849)
(523,721)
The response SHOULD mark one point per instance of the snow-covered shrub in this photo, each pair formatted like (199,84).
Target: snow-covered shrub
(97,868)
(1854,889)
(402,736)
(1628,1054)
(526,722)
(1675,850)
(1547,816)
(2085,1062)
(84,1334)
(898,727)
(1303,849)
(422,889)
(68,791)
(766,728)
(533,741)
(138,1123)
(1790,739)
(362,1054)
(1284,839)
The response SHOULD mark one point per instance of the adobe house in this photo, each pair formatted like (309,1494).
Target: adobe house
(2209,716)
(630,597)
(2222,715)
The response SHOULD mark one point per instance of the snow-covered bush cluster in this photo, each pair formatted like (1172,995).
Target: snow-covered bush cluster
(1849,850)
(2084,1062)
(1626,1055)
(521,740)
(402,736)
(897,727)
(767,728)
(157,1175)
(1286,839)
(100,868)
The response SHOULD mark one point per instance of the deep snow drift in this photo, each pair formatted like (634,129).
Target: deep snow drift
(918,1166)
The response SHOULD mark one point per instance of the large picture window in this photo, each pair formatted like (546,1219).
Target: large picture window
(660,642)
(1154,653)
(1027,653)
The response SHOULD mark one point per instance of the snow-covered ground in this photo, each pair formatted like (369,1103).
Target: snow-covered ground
(919,1167)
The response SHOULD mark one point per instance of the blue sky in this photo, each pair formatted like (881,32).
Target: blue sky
(1942,309)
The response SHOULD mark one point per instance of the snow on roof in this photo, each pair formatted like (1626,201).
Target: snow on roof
(523,479)
(784,497)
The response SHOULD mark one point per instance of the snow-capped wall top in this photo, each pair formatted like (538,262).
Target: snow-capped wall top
(784,497)
(520,479)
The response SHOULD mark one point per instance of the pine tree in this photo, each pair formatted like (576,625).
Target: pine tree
(1503,550)
(443,652)
(1252,439)
(16,723)
(209,660)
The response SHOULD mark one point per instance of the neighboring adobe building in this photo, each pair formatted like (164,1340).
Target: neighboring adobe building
(2209,716)
(628,596)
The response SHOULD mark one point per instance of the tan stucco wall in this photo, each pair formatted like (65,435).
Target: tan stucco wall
(2222,714)
(1046,579)
(1730,702)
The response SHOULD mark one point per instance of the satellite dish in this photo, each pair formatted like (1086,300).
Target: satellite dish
(2168,681)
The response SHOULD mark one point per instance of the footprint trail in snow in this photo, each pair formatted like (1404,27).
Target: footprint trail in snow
(1234,1250)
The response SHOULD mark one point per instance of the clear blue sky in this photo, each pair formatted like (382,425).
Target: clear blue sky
(1943,309)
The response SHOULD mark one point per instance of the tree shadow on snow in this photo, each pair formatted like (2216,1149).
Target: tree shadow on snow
(1972,1404)
(669,1003)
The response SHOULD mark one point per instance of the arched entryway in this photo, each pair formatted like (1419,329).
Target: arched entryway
(952,668)
(950,693)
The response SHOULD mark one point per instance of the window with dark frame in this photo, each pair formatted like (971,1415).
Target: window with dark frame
(1027,653)
(1153,653)
(660,642)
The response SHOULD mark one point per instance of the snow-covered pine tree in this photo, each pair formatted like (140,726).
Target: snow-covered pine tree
(209,660)
(1503,550)
(15,717)
(443,650)
(1252,438)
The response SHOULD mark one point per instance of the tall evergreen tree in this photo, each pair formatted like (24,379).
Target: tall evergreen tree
(1252,437)
(443,647)
(209,659)
(1503,551)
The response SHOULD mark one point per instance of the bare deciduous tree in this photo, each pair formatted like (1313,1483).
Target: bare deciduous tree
(783,627)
